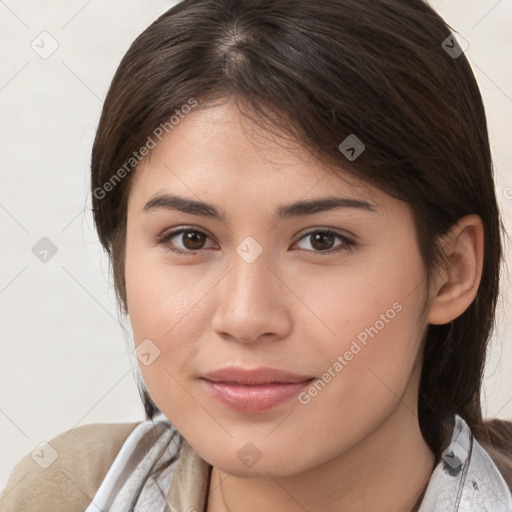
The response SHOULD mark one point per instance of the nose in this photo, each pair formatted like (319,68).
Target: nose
(252,303)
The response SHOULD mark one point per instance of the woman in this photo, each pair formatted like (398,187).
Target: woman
(298,201)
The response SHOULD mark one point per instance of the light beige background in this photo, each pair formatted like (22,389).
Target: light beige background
(64,360)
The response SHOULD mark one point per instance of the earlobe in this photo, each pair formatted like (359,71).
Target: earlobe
(457,283)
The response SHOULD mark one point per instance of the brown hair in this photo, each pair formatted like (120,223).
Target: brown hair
(319,72)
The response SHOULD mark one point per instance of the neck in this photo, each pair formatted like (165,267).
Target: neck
(388,471)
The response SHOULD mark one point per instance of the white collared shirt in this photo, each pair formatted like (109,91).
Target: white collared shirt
(465,480)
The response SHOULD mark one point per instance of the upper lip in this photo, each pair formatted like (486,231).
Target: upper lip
(256,376)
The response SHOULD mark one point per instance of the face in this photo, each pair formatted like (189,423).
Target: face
(265,327)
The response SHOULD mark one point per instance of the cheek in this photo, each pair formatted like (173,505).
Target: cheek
(161,309)
(369,301)
(166,306)
(378,335)
(159,297)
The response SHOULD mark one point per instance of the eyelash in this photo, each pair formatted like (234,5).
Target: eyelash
(165,239)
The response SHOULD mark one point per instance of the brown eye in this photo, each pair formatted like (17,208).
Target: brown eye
(184,241)
(193,240)
(323,241)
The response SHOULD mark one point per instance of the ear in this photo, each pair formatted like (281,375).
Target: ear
(457,283)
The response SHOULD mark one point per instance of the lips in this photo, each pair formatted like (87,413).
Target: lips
(255,390)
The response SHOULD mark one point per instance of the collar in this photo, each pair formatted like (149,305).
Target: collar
(465,479)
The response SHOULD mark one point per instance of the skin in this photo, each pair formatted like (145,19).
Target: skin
(354,446)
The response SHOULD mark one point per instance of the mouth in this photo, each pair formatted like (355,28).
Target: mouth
(256,390)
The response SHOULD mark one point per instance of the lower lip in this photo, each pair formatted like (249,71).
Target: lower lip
(253,399)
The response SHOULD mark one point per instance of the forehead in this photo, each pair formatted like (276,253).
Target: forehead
(219,150)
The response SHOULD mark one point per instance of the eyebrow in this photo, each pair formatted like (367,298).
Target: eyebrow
(297,209)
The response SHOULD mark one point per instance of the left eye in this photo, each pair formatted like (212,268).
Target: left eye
(193,240)
(323,241)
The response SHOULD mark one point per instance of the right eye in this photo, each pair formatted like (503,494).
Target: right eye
(191,243)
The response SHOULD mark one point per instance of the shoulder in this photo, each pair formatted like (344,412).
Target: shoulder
(64,473)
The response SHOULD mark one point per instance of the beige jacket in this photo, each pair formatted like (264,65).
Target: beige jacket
(84,455)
